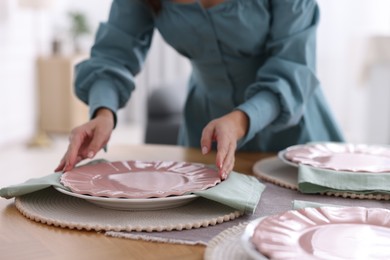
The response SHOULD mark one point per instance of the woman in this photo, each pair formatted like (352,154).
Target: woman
(253,86)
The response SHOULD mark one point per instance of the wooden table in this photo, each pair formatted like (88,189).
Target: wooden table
(21,238)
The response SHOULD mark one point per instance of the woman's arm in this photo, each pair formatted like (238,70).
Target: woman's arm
(106,79)
(287,78)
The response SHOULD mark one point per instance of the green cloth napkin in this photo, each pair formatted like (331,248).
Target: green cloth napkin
(32,185)
(300,204)
(315,180)
(239,191)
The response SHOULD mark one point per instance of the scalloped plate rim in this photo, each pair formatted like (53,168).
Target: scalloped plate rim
(246,242)
(201,182)
(277,218)
(282,156)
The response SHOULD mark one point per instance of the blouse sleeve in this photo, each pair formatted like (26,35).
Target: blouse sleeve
(106,79)
(287,78)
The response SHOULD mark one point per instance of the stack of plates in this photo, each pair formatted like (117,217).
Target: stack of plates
(339,156)
(139,185)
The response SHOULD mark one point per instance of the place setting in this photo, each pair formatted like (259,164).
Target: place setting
(136,199)
(294,202)
(319,232)
(344,187)
(335,169)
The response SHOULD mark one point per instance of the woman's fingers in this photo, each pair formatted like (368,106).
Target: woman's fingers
(225,155)
(218,131)
(102,132)
(226,131)
(222,151)
(77,142)
(86,140)
(207,138)
(100,139)
(73,151)
(61,165)
(229,162)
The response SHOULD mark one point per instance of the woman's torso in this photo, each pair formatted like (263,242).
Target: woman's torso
(226,45)
(224,42)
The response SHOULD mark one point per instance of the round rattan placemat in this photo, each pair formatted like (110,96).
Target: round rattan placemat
(51,207)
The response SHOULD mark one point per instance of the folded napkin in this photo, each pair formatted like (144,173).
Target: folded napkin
(300,204)
(239,191)
(32,185)
(36,184)
(315,180)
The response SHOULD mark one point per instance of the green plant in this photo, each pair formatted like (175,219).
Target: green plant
(79,27)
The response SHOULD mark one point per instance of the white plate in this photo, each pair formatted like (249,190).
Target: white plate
(246,240)
(339,156)
(134,204)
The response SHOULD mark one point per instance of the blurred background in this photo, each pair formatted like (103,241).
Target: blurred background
(41,40)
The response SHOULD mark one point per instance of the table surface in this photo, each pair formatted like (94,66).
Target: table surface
(21,238)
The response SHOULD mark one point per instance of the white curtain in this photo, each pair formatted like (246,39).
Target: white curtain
(346,32)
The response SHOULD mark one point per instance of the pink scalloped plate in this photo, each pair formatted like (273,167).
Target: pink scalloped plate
(340,156)
(140,179)
(324,233)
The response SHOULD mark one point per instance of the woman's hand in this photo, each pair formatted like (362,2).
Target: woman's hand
(226,131)
(86,140)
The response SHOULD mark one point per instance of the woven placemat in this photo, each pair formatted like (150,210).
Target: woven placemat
(51,207)
(277,172)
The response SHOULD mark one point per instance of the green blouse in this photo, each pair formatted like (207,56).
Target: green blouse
(257,56)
